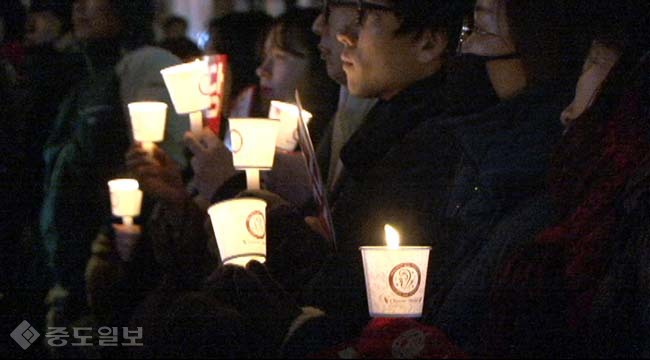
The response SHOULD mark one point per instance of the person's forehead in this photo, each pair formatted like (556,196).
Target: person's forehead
(485,6)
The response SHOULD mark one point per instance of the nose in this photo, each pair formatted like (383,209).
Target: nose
(264,70)
(319,23)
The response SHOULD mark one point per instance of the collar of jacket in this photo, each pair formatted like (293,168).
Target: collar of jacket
(509,145)
(534,113)
(101,53)
(389,121)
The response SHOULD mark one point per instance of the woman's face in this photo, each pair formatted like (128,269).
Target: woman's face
(280,72)
(600,60)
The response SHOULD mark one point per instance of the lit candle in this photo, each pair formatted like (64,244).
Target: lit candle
(240,230)
(148,122)
(190,89)
(395,277)
(252,143)
(126,199)
(288,114)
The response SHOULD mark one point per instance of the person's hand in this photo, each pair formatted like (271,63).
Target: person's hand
(251,290)
(158,175)
(212,162)
(127,238)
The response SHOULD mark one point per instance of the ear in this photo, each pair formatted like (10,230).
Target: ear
(431,46)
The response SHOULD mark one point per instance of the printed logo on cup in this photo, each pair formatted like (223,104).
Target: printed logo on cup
(236,141)
(404,279)
(256,224)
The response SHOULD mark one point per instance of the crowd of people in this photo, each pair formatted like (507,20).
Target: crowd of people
(510,136)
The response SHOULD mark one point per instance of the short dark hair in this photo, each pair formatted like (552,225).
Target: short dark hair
(137,18)
(444,16)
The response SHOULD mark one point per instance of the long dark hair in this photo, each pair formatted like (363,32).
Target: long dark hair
(241,37)
(541,34)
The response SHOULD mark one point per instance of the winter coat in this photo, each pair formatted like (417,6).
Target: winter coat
(497,203)
(385,180)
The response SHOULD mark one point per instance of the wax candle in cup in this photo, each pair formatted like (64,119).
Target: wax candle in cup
(148,122)
(126,199)
(240,230)
(395,277)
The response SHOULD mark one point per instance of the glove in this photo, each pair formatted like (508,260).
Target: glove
(268,311)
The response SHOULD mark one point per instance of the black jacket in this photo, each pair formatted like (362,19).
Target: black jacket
(496,203)
(386,179)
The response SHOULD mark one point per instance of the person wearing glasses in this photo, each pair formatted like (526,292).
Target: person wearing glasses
(395,51)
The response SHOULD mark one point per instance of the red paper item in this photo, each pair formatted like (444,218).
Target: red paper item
(218,68)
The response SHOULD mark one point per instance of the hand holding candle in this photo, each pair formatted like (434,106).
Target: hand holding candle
(395,277)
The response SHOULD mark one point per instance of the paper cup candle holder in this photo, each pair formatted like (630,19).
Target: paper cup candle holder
(240,229)
(148,122)
(252,142)
(288,116)
(395,277)
(126,199)
(190,88)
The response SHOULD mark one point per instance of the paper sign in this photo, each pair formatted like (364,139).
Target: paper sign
(320,195)
(217,68)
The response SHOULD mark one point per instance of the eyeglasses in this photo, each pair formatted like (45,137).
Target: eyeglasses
(361,6)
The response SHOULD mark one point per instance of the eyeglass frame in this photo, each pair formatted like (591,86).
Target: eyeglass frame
(360,5)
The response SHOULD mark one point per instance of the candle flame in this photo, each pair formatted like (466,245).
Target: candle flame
(392,237)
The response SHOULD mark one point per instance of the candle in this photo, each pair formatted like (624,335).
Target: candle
(190,89)
(240,230)
(252,143)
(395,277)
(148,122)
(288,116)
(126,199)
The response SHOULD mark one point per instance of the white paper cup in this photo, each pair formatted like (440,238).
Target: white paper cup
(252,142)
(148,120)
(395,280)
(189,86)
(126,198)
(240,229)
(288,116)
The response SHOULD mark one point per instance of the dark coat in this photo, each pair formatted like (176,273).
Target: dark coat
(82,153)
(496,203)
(386,179)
